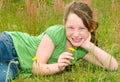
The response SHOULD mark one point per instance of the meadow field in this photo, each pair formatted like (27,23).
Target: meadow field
(34,16)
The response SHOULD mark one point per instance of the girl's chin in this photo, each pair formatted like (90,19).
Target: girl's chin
(76,44)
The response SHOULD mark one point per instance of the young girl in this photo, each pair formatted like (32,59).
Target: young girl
(51,48)
(79,28)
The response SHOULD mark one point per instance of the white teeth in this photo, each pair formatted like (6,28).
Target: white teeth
(76,38)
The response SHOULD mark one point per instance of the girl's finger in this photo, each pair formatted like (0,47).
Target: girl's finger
(68,57)
(65,61)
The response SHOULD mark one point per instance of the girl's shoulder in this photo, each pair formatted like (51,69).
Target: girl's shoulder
(56,33)
(56,28)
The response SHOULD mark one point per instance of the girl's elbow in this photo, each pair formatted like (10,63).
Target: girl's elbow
(38,70)
(33,70)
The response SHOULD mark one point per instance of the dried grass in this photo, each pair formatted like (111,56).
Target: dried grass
(114,11)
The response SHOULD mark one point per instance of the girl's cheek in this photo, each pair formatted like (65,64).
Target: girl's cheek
(68,33)
(86,36)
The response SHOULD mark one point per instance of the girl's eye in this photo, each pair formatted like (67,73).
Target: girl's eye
(70,28)
(82,28)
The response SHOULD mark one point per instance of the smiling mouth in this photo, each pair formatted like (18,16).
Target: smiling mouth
(76,40)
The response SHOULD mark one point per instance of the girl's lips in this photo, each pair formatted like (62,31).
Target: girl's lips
(76,40)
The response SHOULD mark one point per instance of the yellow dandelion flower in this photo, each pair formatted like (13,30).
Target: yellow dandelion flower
(35,59)
(72,49)
(13,81)
(73,79)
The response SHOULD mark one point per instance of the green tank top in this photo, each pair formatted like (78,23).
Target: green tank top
(26,46)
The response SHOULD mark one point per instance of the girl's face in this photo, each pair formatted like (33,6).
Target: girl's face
(76,32)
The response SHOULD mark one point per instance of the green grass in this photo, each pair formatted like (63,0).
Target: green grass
(14,17)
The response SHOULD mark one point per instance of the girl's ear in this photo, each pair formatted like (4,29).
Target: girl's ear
(94,26)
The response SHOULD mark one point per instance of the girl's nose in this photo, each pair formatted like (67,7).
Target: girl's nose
(76,33)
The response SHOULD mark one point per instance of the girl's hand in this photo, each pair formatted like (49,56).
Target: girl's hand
(64,60)
(86,43)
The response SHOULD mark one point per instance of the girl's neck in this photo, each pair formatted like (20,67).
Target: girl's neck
(69,45)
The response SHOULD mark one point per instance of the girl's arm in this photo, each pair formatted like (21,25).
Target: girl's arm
(100,57)
(43,54)
(45,69)
(92,59)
